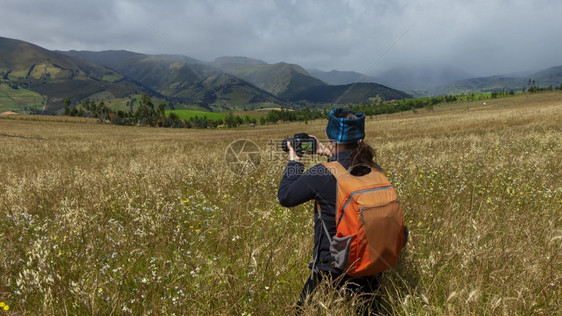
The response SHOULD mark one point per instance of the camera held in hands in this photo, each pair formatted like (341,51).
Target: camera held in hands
(302,144)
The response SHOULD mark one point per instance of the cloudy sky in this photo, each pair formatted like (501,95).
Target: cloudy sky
(482,37)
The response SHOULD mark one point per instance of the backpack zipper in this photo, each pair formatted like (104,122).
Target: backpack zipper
(346,204)
(361,210)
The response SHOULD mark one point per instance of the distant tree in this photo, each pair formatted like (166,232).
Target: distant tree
(91,106)
(230,121)
(239,120)
(145,100)
(66,106)
(131,103)
(450,98)
(173,120)
(145,113)
(101,110)
(161,114)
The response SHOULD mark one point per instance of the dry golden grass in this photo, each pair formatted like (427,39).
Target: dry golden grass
(101,219)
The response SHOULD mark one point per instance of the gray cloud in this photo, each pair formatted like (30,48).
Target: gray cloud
(481,36)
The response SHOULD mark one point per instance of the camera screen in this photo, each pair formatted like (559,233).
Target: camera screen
(307,145)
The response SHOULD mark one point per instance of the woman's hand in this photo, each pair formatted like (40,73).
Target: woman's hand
(292,154)
(321,149)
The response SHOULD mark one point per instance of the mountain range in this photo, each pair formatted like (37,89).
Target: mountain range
(443,80)
(24,65)
(226,83)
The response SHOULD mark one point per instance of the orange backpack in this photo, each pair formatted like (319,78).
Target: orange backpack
(369,225)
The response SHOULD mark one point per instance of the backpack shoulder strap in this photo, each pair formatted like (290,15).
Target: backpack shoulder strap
(336,169)
(323,223)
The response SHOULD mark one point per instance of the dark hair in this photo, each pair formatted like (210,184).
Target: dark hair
(350,115)
(363,154)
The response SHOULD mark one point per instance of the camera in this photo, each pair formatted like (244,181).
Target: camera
(302,144)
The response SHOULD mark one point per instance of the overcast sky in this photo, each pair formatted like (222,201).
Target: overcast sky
(482,37)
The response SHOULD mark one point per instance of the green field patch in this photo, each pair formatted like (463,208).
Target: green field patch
(187,114)
(111,77)
(17,99)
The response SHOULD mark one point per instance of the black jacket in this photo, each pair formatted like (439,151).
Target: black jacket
(298,186)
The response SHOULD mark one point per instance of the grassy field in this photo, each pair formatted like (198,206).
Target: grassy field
(101,219)
(187,114)
(17,99)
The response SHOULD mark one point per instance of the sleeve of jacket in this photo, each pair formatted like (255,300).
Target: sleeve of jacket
(297,186)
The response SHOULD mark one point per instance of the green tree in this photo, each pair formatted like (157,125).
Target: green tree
(66,106)
(230,120)
(145,113)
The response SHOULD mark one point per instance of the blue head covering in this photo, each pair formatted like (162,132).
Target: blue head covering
(342,130)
